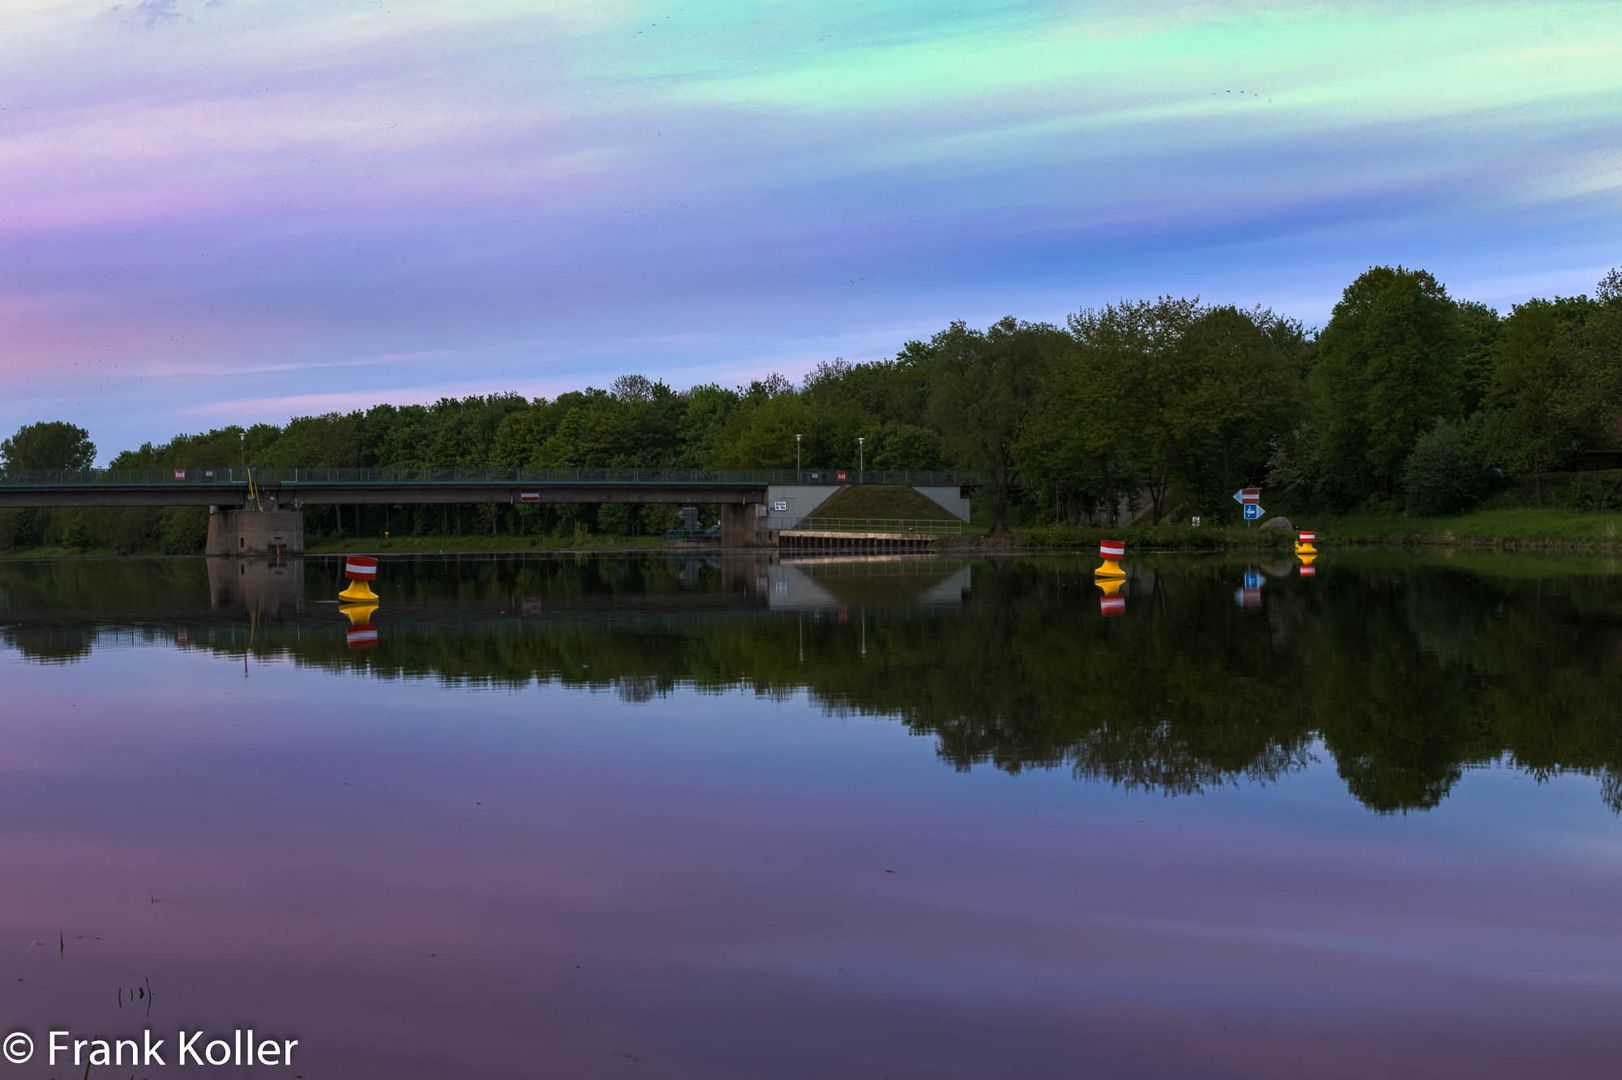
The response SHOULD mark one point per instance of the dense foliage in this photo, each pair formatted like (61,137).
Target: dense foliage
(1158,409)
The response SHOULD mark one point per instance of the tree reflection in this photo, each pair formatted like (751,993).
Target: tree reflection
(1406,673)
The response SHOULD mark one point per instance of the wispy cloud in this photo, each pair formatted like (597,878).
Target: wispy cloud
(534,195)
(279,409)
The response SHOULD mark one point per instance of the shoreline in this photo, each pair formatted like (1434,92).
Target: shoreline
(1507,530)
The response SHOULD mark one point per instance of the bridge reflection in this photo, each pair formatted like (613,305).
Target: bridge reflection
(154,593)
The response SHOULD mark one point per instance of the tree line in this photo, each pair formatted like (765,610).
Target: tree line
(1406,399)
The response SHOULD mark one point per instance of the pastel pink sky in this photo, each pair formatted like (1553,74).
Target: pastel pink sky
(227,211)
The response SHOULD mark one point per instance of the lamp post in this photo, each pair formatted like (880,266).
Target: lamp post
(242,440)
(861,459)
(797,466)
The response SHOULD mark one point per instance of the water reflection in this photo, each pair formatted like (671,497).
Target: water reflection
(625,817)
(1405,672)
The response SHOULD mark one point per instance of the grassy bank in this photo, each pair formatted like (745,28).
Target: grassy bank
(1519,527)
(60,553)
(1528,528)
(1143,537)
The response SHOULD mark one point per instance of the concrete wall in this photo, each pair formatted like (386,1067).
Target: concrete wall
(951,498)
(800,500)
(255,532)
(797,502)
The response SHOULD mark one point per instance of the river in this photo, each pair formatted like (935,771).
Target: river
(692,816)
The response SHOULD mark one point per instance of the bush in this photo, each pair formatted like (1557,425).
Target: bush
(1144,537)
(1592,493)
(1443,474)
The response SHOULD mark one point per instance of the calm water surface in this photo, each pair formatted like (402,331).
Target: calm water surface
(672,816)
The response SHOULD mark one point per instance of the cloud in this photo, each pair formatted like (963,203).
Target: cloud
(553,194)
(280,408)
(158,12)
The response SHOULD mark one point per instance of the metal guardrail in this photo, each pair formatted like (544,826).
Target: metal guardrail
(539,477)
(884,525)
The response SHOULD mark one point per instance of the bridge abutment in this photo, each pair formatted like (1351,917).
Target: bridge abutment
(743,525)
(255,532)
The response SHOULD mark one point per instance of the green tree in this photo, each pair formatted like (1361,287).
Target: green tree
(1134,388)
(1479,327)
(1238,390)
(50,444)
(981,384)
(1443,475)
(904,447)
(705,411)
(1389,366)
(1526,429)
(1592,398)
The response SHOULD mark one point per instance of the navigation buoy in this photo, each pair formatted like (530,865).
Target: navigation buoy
(361,570)
(1304,542)
(1110,600)
(1307,569)
(1111,551)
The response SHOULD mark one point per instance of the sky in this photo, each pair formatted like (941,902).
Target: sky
(218,212)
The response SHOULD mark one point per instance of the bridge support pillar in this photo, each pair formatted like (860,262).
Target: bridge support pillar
(255,532)
(743,525)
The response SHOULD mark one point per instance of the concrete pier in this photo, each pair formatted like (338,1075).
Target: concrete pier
(743,525)
(255,532)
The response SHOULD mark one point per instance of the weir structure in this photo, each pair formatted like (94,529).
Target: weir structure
(260,511)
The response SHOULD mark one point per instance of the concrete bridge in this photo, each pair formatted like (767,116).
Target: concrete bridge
(260,511)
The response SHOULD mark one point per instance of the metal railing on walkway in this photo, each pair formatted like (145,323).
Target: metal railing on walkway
(540,477)
(933,526)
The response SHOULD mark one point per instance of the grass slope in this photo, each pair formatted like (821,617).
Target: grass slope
(1508,527)
(882,501)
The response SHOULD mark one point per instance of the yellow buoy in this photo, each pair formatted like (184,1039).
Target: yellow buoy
(361,570)
(1111,551)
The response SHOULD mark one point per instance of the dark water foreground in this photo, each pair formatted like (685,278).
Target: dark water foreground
(655,817)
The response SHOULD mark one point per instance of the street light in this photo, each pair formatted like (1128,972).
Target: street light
(797,452)
(861,458)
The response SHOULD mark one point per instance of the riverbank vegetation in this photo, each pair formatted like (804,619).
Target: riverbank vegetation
(1407,408)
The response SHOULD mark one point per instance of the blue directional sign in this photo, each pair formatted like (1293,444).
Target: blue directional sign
(1253,579)
(1253,512)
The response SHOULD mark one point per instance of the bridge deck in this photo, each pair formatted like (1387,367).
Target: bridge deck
(228,487)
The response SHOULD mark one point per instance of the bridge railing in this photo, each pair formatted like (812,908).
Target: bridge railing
(879,525)
(517,477)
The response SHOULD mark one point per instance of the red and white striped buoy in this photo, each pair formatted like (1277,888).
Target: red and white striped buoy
(1304,542)
(361,570)
(1112,552)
